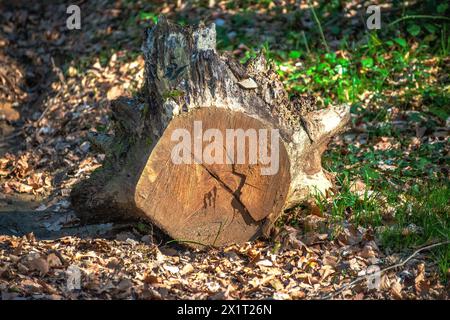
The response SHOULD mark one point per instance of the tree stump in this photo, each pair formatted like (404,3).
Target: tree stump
(210,151)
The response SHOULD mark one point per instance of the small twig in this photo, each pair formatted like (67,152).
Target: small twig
(61,78)
(12,135)
(188,241)
(58,72)
(218,233)
(418,17)
(306,43)
(401,264)
(319,25)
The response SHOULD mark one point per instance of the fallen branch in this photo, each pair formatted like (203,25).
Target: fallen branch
(379,273)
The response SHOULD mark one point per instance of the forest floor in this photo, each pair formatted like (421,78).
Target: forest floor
(389,210)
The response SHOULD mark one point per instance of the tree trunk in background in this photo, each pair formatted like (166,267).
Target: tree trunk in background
(189,89)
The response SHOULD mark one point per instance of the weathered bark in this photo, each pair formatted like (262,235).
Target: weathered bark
(214,204)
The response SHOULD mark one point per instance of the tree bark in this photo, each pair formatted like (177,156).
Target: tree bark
(214,203)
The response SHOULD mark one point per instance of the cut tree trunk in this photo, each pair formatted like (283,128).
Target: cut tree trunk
(217,189)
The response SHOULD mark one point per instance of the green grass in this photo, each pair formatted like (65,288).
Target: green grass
(403,220)
(360,208)
(423,218)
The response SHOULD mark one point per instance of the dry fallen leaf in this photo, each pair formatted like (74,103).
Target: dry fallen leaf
(40,265)
(124,284)
(358,186)
(276,284)
(314,209)
(31,285)
(396,289)
(7,112)
(420,284)
(114,92)
(265,263)
(53,261)
(330,260)
(326,271)
(151,279)
(314,223)
(20,187)
(72,72)
(188,268)
(368,252)
(172,269)
(385,282)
